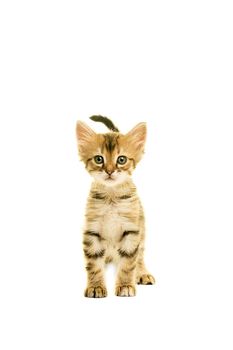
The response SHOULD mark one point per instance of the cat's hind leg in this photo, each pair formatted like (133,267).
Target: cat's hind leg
(142,275)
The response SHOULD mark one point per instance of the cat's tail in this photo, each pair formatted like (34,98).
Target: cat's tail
(105,121)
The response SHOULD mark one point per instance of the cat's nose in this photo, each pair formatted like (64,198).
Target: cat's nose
(109,171)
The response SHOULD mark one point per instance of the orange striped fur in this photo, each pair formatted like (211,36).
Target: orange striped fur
(114,228)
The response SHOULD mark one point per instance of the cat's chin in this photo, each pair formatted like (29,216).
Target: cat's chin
(110,182)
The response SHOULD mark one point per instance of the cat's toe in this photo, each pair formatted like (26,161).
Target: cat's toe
(96,292)
(146,279)
(125,291)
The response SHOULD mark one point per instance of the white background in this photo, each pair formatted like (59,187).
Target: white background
(168,63)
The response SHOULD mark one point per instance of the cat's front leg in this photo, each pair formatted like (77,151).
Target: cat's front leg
(95,263)
(126,276)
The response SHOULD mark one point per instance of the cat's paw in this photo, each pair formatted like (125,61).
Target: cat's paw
(146,279)
(125,291)
(95,292)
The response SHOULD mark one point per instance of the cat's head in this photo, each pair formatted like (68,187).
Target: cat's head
(110,158)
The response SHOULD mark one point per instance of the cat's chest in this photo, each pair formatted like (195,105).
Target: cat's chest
(113,219)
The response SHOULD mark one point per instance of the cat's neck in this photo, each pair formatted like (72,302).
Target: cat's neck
(120,189)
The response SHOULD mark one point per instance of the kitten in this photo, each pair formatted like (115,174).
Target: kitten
(114,230)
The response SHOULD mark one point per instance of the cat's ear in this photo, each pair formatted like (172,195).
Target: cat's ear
(84,133)
(137,136)
(85,136)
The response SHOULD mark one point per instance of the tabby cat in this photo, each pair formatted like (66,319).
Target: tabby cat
(114,229)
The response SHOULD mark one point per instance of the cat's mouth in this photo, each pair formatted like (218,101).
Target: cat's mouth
(109,178)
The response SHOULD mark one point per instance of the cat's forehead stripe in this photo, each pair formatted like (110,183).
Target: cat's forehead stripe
(110,142)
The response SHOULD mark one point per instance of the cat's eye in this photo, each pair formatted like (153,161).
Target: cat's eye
(121,160)
(99,159)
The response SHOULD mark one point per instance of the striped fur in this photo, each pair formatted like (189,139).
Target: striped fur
(114,229)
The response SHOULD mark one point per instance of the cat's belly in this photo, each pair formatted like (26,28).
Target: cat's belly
(111,221)
(113,224)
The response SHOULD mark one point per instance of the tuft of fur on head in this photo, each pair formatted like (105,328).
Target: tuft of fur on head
(110,146)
